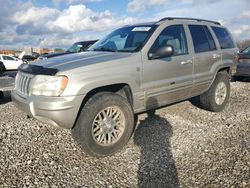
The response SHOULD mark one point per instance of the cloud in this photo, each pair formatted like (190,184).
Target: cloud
(80,18)
(24,23)
(34,14)
(44,26)
(141,5)
(72,2)
(241,32)
(233,15)
(76,18)
(245,14)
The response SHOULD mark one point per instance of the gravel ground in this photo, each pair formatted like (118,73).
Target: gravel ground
(180,146)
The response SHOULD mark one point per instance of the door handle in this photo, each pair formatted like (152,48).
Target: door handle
(216,56)
(186,62)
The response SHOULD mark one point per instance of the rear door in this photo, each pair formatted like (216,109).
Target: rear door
(206,56)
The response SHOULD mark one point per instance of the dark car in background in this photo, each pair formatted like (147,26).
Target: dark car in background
(28,58)
(75,48)
(243,67)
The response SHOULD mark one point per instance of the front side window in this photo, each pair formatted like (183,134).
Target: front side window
(223,37)
(126,39)
(173,35)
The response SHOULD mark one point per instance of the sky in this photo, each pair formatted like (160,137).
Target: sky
(60,23)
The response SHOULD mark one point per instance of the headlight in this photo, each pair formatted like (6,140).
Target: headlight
(48,85)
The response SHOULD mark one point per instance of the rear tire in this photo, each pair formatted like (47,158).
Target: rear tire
(106,114)
(216,98)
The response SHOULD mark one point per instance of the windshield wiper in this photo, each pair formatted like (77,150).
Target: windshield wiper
(125,51)
(104,49)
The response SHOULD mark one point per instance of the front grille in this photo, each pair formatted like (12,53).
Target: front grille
(22,84)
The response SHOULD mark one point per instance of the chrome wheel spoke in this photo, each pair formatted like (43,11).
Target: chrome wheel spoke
(98,133)
(109,138)
(108,125)
(117,115)
(99,137)
(220,93)
(116,132)
(102,138)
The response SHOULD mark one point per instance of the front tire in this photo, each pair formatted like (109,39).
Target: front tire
(216,98)
(105,124)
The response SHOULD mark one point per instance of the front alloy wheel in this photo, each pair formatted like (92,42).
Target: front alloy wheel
(108,126)
(105,124)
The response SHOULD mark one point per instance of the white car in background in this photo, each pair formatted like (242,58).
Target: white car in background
(10,62)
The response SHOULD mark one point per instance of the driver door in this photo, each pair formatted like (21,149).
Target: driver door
(169,79)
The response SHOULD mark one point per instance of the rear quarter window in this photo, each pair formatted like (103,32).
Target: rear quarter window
(223,37)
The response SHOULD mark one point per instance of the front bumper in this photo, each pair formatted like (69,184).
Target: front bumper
(60,111)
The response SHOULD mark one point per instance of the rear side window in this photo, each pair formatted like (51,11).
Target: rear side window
(210,38)
(224,38)
(8,58)
(202,38)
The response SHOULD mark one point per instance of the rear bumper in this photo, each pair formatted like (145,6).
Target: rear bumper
(59,111)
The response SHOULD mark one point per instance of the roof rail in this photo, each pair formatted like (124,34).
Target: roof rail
(194,19)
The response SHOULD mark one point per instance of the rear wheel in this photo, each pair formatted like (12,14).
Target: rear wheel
(216,98)
(105,124)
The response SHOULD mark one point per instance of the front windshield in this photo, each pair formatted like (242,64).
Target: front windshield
(126,39)
(75,48)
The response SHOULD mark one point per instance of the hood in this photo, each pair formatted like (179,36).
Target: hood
(83,59)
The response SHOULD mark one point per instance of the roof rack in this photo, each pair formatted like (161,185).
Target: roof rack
(193,19)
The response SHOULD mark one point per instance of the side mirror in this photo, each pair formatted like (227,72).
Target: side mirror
(162,52)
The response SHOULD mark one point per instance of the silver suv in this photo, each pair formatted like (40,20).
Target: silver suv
(134,69)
